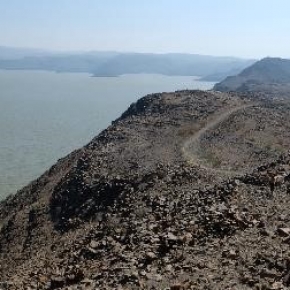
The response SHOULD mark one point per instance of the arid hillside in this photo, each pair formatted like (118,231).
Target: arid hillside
(186,190)
(270,75)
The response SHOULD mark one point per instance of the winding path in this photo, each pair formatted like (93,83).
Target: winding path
(190,146)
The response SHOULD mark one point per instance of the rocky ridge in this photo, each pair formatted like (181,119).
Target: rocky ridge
(129,211)
(270,75)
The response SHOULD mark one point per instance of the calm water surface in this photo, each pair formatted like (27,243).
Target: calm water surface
(46,115)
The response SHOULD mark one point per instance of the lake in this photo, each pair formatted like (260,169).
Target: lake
(46,115)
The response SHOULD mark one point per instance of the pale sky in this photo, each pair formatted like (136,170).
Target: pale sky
(244,28)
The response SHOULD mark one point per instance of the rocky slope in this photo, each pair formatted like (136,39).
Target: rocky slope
(268,75)
(139,207)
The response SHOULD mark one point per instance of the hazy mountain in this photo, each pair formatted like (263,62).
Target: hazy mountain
(114,63)
(18,53)
(58,63)
(171,64)
(266,74)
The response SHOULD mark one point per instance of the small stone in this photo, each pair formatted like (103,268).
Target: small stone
(151,256)
(269,274)
(177,286)
(283,231)
(171,237)
(232,254)
(277,286)
(94,244)
(266,232)
(57,281)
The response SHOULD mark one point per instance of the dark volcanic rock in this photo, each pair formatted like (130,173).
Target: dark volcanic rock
(130,210)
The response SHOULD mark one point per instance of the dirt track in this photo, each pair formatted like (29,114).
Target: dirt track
(191,146)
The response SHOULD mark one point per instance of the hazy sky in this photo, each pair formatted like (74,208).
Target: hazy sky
(247,28)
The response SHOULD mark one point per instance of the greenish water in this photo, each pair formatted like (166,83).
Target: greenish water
(45,115)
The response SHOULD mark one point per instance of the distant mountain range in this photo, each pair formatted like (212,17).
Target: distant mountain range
(209,68)
(268,74)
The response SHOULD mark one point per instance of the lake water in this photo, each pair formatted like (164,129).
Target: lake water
(46,115)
